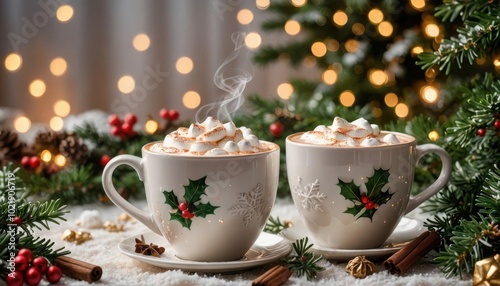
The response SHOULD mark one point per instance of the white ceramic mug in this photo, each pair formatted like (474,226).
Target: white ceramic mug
(228,199)
(354,197)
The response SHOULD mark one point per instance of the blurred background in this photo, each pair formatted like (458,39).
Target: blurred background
(62,58)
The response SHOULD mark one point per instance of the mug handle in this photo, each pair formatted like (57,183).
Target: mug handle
(440,182)
(107,183)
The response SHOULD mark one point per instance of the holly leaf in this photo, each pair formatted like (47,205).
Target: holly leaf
(202,210)
(382,198)
(376,182)
(171,199)
(355,209)
(185,222)
(349,190)
(194,190)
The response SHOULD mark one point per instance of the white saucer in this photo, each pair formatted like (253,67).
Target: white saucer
(266,249)
(406,230)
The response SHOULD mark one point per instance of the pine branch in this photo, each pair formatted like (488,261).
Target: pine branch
(304,262)
(38,214)
(275,226)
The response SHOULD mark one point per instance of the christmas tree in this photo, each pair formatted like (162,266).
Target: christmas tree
(368,70)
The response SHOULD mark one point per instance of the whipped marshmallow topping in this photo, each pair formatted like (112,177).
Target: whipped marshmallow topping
(343,133)
(211,138)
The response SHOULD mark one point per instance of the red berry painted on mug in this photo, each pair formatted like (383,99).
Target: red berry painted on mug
(186,214)
(364,199)
(53,274)
(183,206)
(369,205)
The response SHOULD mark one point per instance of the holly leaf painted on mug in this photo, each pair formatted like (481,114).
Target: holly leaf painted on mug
(376,182)
(349,190)
(202,210)
(171,199)
(365,205)
(194,190)
(185,222)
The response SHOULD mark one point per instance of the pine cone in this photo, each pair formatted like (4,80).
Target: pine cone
(49,140)
(73,148)
(11,148)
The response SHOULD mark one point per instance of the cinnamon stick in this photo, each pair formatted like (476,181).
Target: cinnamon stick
(78,269)
(273,277)
(406,257)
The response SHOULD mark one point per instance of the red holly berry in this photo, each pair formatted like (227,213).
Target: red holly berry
(17,220)
(32,276)
(41,263)
(26,253)
(191,215)
(187,214)
(105,160)
(34,162)
(173,114)
(496,124)
(116,131)
(127,128)
(364,199)
(369,205)
(481,132)
(53,274)
(131,118)
(164,113)
(25,161)
(114,120)
(183,206)
(21,263)
(14,279)
(276,129)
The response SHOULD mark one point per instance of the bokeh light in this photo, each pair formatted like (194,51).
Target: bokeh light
(433,135)
(340,18)
(358,29)
(418,4)
(37,88)
(191,99)
(58,66)
(244,16)
(391,99)
(46,156)
(429,93)
(184,65)
(375,16)
(377,77)
(318,49)
(329,77)
(64,13)
(253,40)
(347,98)
(62,108)
(56,123)
(298,3)
(151,126)
(417,50)
(401,110)
(292,27)
(60,160)
(385,28)
(431,30)
(13,62)
(141,42)
(126,84)
(262,4)
(22,124)
(351,45)
(285,90)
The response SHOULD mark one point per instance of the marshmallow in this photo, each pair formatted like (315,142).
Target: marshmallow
(340,124)
(321,128)
(216,152)
(254,141)
(195,130)
(213,135)
(200,146)
(176,141)
(376,129)
(367,142)
(246,131)
(231,147)
(315,137)
(230,128)
(245,146)
(211,123)
(390,139)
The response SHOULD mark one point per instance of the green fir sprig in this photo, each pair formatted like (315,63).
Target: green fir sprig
(304,262)
(274,225)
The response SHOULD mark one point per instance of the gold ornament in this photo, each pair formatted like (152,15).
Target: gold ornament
(78,237)
(287,223)
(124,217)
(113,227)
(360,267)
(487,271)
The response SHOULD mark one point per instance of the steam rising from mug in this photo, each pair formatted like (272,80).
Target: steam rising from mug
(232,81)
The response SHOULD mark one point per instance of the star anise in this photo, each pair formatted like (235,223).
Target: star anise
(148,249)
